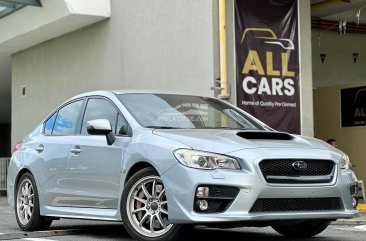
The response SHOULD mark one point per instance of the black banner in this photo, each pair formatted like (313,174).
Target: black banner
(267,62)
(353,107)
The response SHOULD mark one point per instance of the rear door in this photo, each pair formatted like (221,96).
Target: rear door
(52,150)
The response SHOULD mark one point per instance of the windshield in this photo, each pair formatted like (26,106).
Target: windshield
(183,111)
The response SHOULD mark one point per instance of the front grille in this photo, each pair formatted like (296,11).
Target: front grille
(276,171)
(296,204)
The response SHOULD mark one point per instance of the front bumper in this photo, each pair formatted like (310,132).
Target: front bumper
(181,183)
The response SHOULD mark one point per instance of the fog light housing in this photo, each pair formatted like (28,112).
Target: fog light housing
(354,195)
(202,192)
(355,201)
(213,198)
(202,205)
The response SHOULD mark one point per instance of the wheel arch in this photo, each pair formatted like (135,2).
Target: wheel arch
(19,175)
(137,167)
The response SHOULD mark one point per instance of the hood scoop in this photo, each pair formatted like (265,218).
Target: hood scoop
(265,135)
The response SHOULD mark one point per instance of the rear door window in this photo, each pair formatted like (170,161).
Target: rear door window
(67,118)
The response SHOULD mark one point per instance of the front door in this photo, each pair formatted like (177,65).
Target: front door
(95,167)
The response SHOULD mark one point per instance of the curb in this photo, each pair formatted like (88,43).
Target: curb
(350,221)
(359,220)
(361,207)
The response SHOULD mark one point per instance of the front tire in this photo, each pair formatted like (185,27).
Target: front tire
(302,229)
(144,208)
(27,211)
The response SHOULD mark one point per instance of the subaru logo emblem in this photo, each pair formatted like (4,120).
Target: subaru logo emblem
(299,165)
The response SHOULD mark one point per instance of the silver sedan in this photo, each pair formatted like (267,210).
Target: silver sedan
(162,162)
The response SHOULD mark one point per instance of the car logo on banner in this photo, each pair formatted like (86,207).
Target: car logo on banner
(269,37)
(300,165)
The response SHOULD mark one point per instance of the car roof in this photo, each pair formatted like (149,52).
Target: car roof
(152,92)
(118,92)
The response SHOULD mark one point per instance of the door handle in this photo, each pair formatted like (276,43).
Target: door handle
(39,148)
(76,150)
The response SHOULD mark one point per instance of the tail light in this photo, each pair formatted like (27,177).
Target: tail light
(17,146)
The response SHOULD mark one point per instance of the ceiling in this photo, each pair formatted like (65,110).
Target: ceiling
(325,15)
(332,9)
(45,20)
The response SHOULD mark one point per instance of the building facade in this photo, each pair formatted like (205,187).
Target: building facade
(60,48)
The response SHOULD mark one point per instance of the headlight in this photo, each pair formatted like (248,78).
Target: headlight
(345,162)
(205,160)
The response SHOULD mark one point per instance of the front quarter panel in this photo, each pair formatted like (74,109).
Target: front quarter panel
(158,151)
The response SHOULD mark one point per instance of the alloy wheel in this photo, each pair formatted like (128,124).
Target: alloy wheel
(25,201)
(147,207)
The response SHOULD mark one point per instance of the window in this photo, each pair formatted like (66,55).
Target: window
(122,127)
(66,119)
(183,111)
(103,109)
(9,6)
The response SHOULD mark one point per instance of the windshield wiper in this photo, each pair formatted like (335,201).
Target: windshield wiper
(227,128)
(162,127)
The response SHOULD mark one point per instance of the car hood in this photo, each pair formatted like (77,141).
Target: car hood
(226,141)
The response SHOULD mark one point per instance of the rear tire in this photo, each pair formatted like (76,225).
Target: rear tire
(144,208)
(302,229)
(27,211)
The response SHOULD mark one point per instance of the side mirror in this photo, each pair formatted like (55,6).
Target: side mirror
(101,127)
